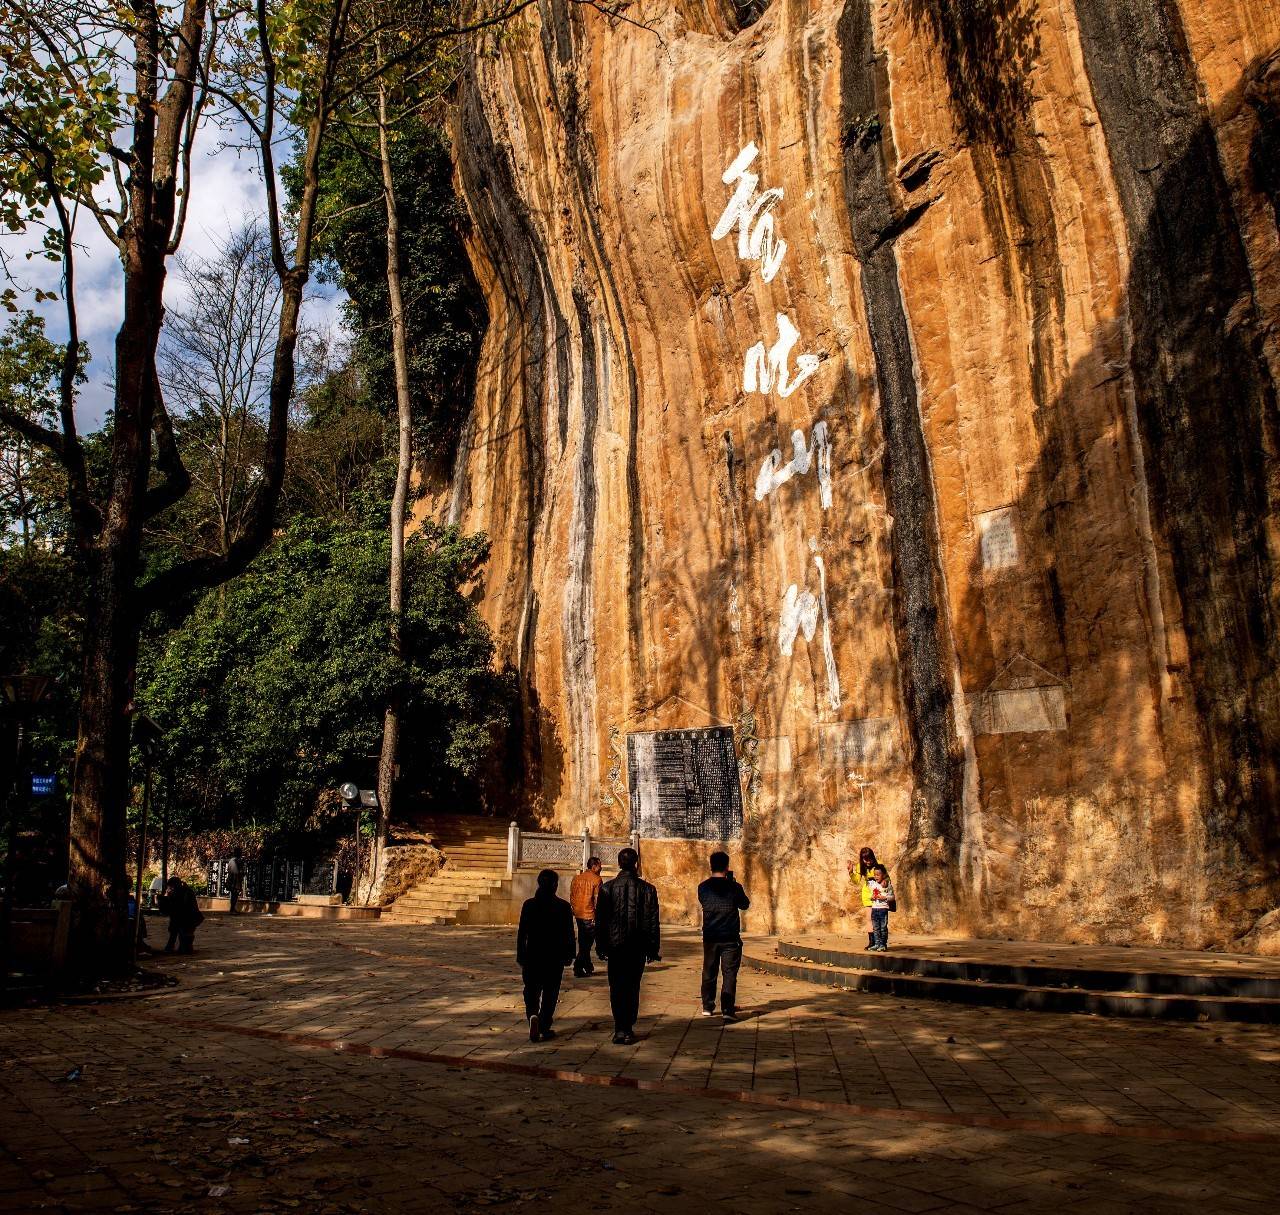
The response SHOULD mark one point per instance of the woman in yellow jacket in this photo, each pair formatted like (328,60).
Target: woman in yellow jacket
(866,862)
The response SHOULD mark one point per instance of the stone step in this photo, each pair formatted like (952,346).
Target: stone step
(440,891)
(1138,981)
(455,833)
(497,852)
(422,902)
(452,893)
(447,912)
(469,885)
(1100,1002)
(461,837)
(464,879)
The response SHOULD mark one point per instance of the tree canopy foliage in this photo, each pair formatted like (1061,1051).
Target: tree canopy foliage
(273,690)
(444,313)
(213,555)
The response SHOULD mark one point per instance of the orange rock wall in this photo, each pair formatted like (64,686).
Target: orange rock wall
(1033,249)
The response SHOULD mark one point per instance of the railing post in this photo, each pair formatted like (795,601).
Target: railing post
(586,846)
(513,848)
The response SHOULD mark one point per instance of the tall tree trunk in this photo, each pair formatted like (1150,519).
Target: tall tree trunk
(110,538)
(97,869)
(400,500)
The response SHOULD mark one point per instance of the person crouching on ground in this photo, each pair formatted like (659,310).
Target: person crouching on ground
(544,947)
(882,902)
(179,903)
(583,892)
(866,859)
(627,936)
(721,898)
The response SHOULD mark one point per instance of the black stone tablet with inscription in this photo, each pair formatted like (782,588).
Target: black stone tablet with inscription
(684,784)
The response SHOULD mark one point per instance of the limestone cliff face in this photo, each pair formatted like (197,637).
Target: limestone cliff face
(895,380)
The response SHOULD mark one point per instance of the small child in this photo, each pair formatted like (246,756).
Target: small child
(882,902)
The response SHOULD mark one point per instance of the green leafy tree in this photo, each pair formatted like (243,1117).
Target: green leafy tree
(102,108)
(273,690)
(98,94)
(30,480)
(444,313)
(339,434)
(418,322)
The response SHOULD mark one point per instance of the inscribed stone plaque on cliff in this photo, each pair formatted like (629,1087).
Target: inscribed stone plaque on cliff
(775,754)
(998,538)
(684,784)
(1018,711)
(868,744)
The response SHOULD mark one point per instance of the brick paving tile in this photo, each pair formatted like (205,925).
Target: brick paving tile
(327,1048)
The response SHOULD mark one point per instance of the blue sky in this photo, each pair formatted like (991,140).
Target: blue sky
(226,194)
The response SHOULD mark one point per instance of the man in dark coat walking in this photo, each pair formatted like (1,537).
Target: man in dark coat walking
(544,947)
(179,903)
(627,936)
(722,899)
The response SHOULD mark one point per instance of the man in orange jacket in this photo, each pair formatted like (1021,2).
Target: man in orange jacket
(583,892)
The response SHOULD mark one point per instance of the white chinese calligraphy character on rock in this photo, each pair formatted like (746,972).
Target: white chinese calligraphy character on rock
(769,370)
(750,212)
(800,613)
(818,451)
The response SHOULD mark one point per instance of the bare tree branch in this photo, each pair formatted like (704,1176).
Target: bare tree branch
(32,431)
(615,11)
(414,46)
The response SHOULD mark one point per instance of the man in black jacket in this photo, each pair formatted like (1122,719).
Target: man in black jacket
(721,898)
(179,903)
(544,947)
(627,936)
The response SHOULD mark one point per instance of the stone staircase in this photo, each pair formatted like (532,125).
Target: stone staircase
(475,867)
(1039,977)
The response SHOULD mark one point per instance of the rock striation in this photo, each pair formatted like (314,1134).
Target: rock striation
(894,381)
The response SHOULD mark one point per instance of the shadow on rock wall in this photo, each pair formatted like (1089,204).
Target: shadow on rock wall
(1195,405)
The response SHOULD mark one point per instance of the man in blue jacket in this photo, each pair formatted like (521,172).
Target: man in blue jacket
(722,899)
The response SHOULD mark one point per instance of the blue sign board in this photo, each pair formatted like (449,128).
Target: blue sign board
(42,786)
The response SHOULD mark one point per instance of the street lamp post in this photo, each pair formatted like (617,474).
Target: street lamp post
(22,696)
(357,799)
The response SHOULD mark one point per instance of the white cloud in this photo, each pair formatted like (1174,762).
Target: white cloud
(226,194)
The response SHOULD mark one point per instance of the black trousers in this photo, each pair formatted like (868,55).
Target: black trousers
(185,937)
(626,969)
(582,964)
(541,992)
(726,957)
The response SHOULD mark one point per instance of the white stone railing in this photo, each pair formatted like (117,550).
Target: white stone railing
(544,850)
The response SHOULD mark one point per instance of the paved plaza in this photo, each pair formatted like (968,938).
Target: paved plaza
(322,1067)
